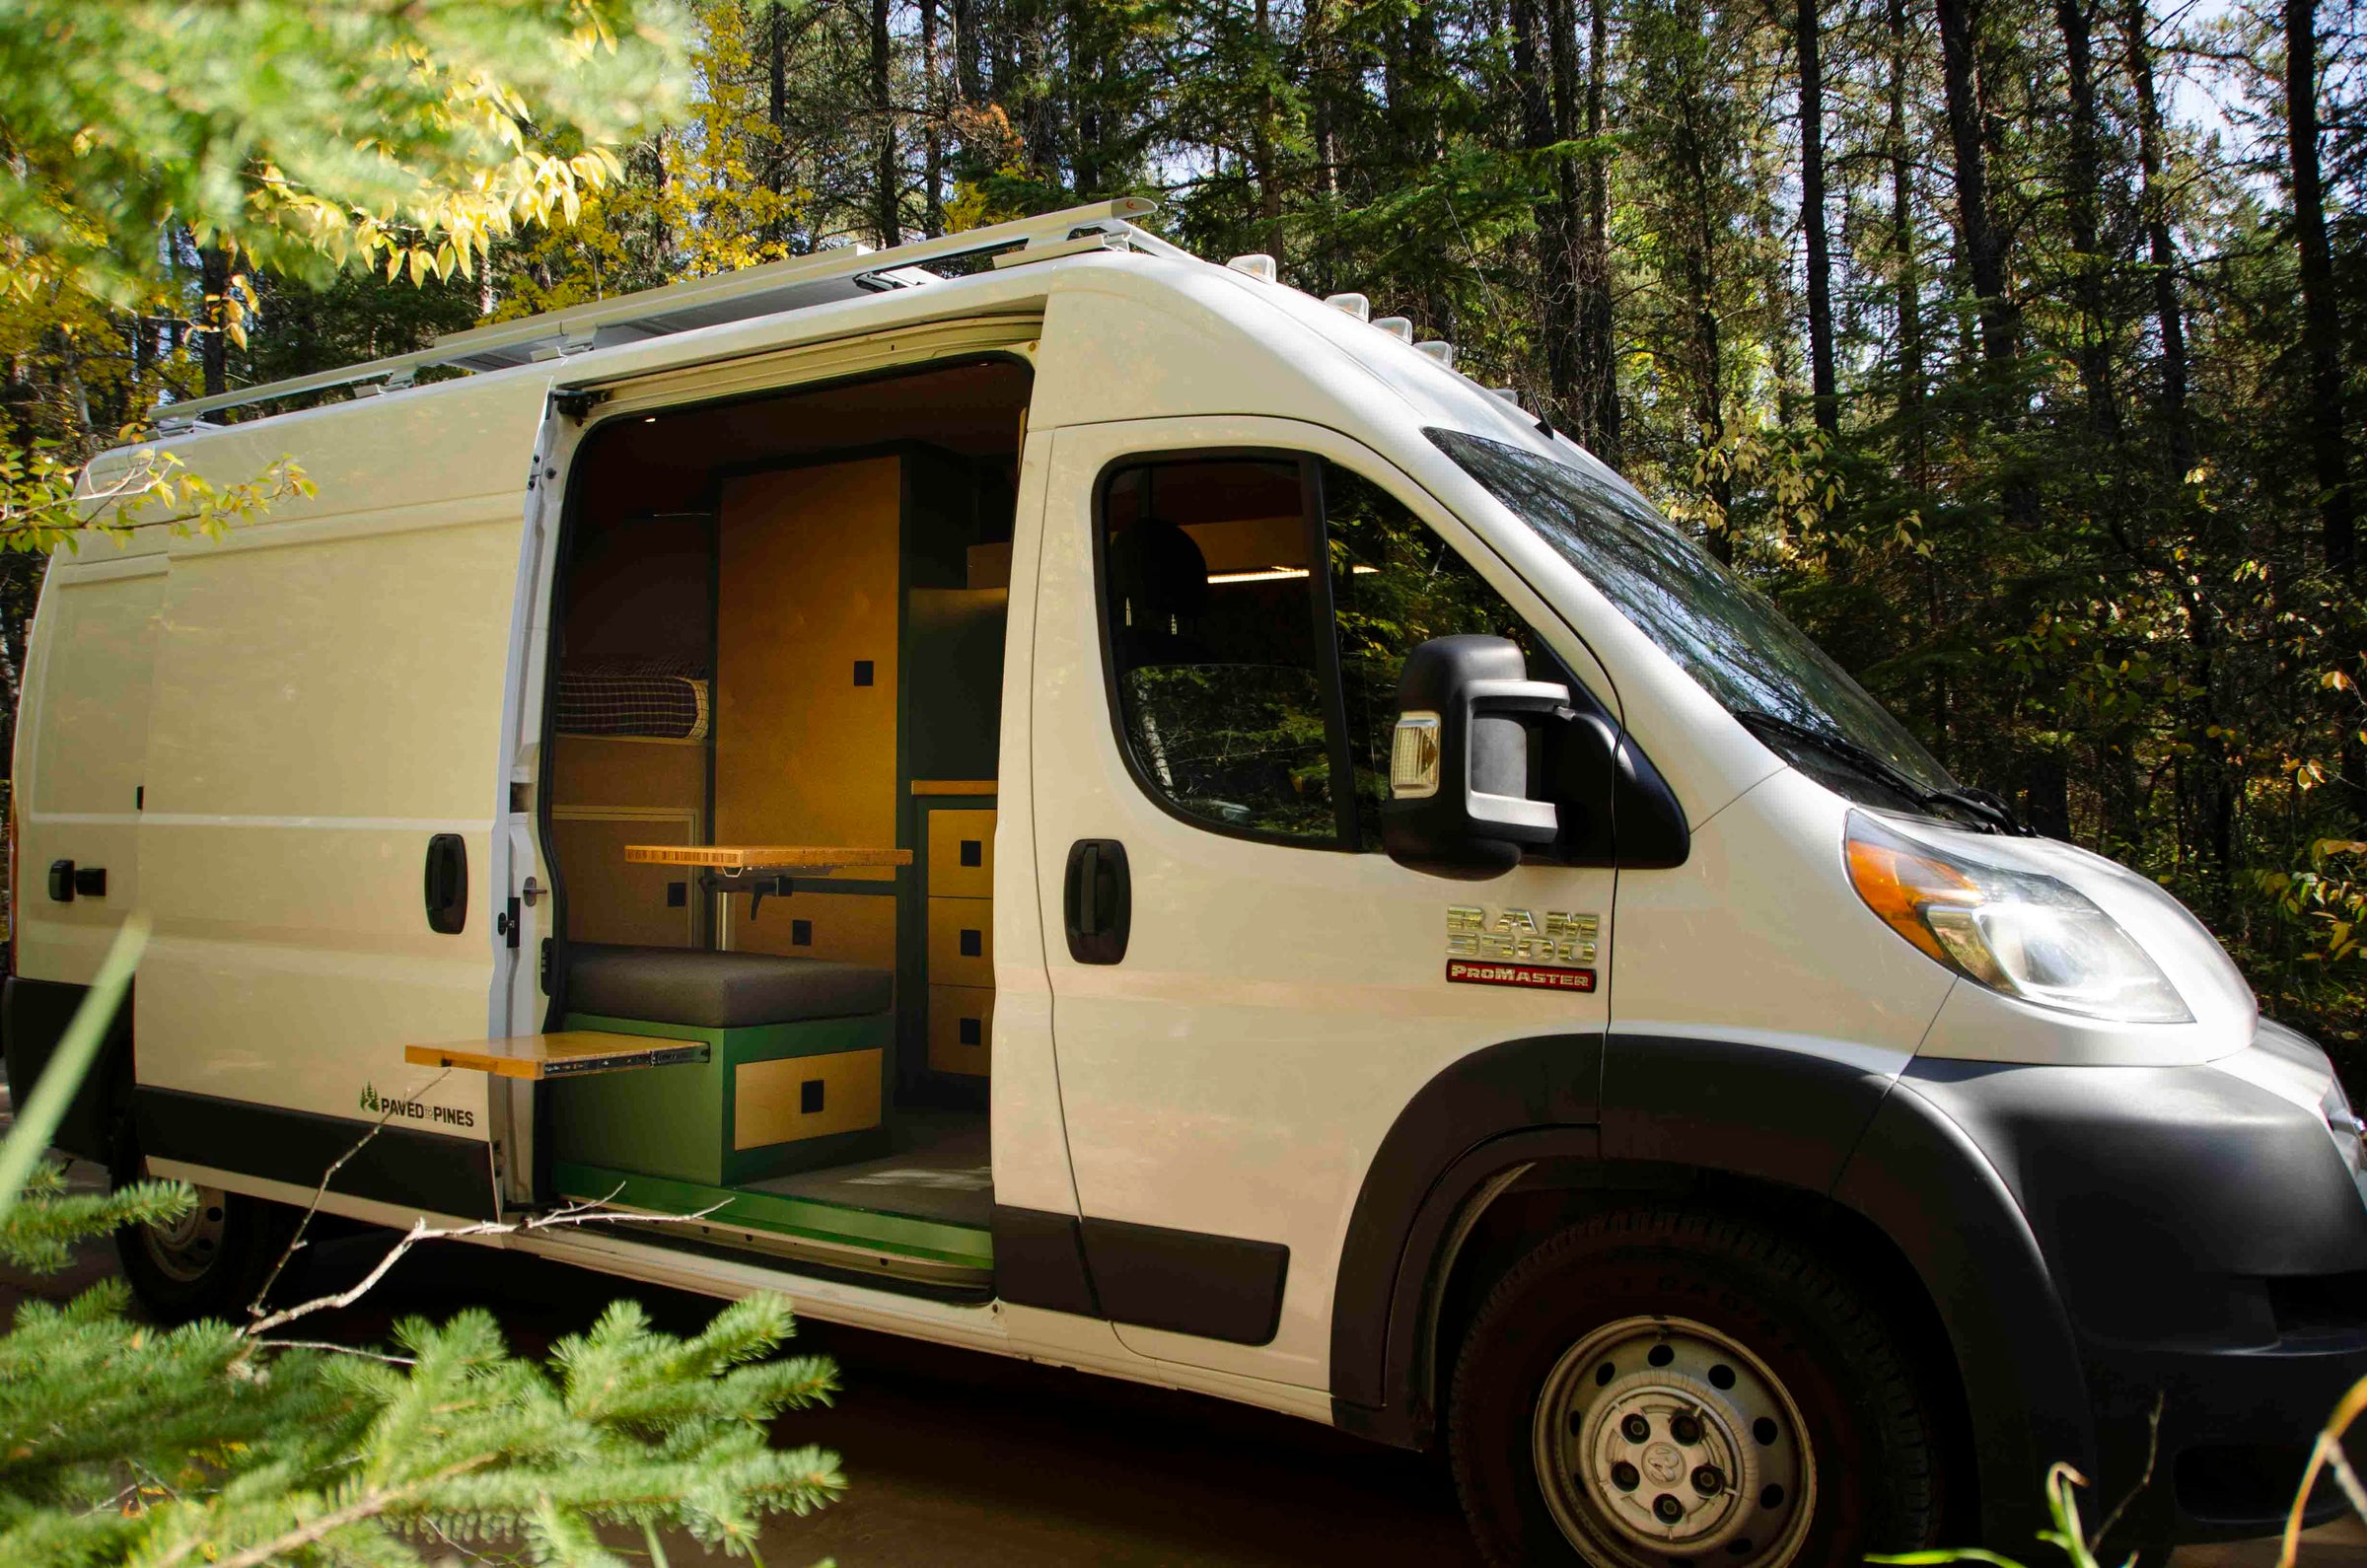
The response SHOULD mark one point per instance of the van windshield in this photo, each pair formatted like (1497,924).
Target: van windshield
(1782,686)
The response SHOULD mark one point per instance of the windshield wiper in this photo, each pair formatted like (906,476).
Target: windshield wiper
(1986,808)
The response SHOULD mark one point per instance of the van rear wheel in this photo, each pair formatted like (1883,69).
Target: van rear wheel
(1663,1386)
(207,1264)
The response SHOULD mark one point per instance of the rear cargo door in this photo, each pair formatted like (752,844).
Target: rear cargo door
(323,757)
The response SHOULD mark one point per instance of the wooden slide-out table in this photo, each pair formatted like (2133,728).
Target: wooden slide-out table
(753,868)
(562,1053)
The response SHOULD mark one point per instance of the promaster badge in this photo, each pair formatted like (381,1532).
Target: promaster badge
(1552,952)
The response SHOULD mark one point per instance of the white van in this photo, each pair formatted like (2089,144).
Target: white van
(1095,807)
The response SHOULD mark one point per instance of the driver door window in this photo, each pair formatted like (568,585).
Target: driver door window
(1247,684)
(1212,614)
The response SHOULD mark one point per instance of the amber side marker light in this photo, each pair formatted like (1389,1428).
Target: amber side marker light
(1899,882)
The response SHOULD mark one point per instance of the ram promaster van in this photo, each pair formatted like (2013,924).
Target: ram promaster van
(1080,803)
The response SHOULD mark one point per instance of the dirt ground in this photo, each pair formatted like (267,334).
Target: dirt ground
(956,1456)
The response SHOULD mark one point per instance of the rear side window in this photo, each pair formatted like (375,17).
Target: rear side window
(1260,610)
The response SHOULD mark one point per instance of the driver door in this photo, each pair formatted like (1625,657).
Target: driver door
(1223,607)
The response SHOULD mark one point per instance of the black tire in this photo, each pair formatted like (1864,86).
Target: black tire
(209,1264)
(1780,1421)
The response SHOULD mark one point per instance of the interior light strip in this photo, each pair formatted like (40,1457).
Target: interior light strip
(1276,574)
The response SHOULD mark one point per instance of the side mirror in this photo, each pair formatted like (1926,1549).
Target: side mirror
(1459,773)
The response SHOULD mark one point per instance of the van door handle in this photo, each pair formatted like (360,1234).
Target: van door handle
(68,880)
(1100,900)
(447,883)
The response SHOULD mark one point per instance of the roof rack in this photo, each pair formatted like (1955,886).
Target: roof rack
(838,273)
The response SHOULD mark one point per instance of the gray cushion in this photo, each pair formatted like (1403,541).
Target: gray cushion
(719,990)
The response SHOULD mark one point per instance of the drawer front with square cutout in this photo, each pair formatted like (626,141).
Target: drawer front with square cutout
(805,1096)
(962,853)
(847,927)
(962,942)
(961,1029)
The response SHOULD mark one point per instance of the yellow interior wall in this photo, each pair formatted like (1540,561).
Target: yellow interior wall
(608,792)
(808,575)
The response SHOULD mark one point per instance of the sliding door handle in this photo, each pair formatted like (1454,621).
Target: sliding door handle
(447,883)
(1100,900)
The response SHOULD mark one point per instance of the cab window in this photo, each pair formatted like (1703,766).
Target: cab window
(1246,680)
(1209,598)
(1396,585)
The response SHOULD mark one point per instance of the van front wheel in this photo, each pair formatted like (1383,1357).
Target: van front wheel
(1665,1385)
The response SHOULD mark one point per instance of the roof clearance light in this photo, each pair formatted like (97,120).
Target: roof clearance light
(1355,305)
(1399,327)
(1438,348)
(1256,265)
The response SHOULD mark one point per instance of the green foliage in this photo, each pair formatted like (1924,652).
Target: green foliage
(2067,1536)
(119,1443)
(209,1444)
(309,136)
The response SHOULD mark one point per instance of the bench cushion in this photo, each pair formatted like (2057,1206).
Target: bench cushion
(719,990)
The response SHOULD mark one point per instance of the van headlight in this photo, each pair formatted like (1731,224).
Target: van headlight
(2019,932)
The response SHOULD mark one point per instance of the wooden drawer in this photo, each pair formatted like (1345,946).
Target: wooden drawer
(961,1029)
(962,942)
(847,927)
(962,854)
(790,1097)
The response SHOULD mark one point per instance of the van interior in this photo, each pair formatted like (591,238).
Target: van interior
(768,809)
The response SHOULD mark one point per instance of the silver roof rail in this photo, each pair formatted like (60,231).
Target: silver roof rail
(840,273)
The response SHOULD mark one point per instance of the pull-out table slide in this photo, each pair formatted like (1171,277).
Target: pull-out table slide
(564,1053)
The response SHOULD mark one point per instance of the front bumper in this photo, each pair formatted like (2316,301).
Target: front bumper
(2205,1248)
(2234,1434)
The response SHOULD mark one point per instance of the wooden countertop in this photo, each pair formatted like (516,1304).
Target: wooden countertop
(763,857)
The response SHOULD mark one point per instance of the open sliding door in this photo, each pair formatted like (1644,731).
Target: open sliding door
(324,763)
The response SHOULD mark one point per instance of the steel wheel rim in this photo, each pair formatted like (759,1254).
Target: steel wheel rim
(1660,1440)
(186,1250)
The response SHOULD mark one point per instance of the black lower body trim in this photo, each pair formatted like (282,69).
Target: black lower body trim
(427,1171)
(33,1015)
(1218,1287)
(1039,1261)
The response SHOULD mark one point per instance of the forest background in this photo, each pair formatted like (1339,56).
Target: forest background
(2018,348)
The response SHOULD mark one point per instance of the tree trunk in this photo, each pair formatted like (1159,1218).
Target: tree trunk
(2094,335)
(1269,189)
(776,157)
(1597,354)
(2169,315)
(1702,291)
(932,111)
(887,218)
(1984,247)
(970,54)
(2321,311)
(1540,108)
(213,274)
(1908,258)
(1811,219)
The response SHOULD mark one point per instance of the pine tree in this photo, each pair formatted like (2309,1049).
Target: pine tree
(227,1446)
